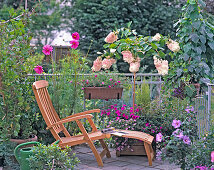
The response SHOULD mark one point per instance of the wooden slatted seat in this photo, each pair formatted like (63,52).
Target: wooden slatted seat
(146,138)
(55,124)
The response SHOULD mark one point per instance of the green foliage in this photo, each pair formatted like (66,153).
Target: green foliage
(194,63)
(52,157)
(95,19)
(143,98)
(16,116)
(201,151)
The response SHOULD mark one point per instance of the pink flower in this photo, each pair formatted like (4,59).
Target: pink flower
(134,67)
(147,124)
(38,69)
(212,156)
(75,36)
(161,127)
(122,108)
(83,88)
(106,63)
(103,83)
(109,86)
(110,79)
(47,49)
(127,56)
(159,137)
(113,61)
(70,81)
(161,65)
(97,64)
(186,140)
(95,76)
(74,44)
(118,81)
(176,123)
(115,84)
(111,37)
(173,46)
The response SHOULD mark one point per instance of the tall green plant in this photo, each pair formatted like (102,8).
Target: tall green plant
(14,88)
(194,63)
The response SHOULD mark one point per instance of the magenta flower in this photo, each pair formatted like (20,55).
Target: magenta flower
(161,127)
(47,49)
(122,108)
(212,156)
(176,123)
(82,88)
(38,69)
(180,135)
(118,81)
(75,36)
(147,124)
(74,44)
(186,140)
(95,76)
(109,86)
(70,81)
(102,82)
(159,137)
(176,132)
(189,108)
(110,79)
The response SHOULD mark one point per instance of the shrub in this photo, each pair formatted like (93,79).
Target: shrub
(52,157)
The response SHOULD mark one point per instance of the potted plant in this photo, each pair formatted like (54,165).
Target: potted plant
(103,86)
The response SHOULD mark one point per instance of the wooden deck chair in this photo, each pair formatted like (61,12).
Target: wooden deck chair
(55,124)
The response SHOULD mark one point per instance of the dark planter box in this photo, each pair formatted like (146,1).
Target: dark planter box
(103,93)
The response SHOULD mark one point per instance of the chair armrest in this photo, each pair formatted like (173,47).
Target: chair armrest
(69,119)
(83,113)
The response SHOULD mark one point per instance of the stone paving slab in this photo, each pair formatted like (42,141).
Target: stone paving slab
(88,161)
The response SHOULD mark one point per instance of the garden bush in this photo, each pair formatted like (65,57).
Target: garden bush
(94,20)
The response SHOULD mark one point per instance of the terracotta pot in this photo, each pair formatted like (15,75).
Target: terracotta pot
(103,93)
(19,141)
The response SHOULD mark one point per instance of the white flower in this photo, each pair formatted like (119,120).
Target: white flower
(157,37)
(112,50)
(134,67)
(161,65)
(173,46)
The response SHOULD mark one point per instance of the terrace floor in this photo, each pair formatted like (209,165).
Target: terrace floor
(88,161)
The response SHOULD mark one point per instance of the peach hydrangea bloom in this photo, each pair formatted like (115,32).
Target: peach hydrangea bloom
(173,46)
(127,56)
(97,64)
(134,67)
(157,37)
(161,65)
(106,63)
(111,37)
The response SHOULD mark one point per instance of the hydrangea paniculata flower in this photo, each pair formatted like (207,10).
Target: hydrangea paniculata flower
(173,46)
(176,123)
(161,65)
(106,63)
(134,67)
(97,64)
(38,69)
(127,56)
(47,49)
(157,37)
(74,44)
(75,36)
(111,37)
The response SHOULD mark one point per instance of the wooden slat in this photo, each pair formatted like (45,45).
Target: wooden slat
(103,153)
(40,84)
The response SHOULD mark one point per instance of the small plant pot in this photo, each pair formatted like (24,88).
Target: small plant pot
(103,93)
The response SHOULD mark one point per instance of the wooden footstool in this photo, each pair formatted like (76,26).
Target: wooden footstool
(146,138)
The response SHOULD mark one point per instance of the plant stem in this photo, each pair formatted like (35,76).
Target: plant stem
(134,91)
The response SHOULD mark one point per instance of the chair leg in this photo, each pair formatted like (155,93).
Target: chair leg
(96,154)
(148,153)
(108,155)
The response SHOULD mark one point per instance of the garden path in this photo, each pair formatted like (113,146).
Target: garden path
(88,161)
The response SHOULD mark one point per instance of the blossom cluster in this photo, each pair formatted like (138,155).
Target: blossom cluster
(75,43)
(105,64)
(161,65)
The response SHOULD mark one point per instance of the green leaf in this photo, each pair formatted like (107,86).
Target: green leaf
(106,45)
(154,46)
(202,39)
(203,4)
(211,44)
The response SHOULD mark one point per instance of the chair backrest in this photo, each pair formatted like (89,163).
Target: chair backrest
(46,107)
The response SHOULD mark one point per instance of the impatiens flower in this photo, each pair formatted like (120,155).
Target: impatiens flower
(95,76)
(111,37)
(180,135)
(147,124)
(75,36)
(110,79)
(47,49)
(118,81)
(157,37)
(122,108)
(106,63)
(127,56)
(82,88)
(74,44)
(173,46)
(109,86)
(103,83)
(212,156)
(186,140)
(159,137)
(176,123)
(38,69)
(97,64)
(134,67)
